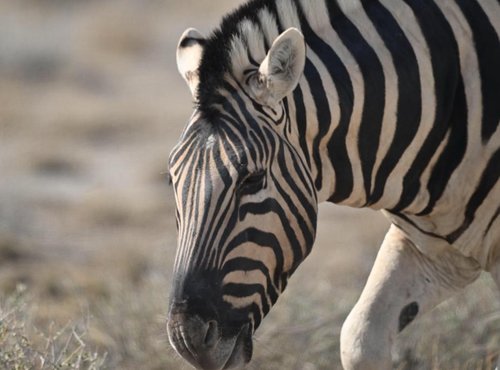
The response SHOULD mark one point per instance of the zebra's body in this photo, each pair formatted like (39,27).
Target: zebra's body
(392,105)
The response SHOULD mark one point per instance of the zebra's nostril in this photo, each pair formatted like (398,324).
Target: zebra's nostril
(212,334)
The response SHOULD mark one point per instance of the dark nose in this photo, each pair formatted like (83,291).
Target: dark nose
(196,333)
(195,339)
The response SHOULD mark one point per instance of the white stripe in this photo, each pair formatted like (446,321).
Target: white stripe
(409,24)
(287,14)
(330,89)
(269,25)
(422,199)
(359,18)
(311,117)
(317,19)
(461,183)
(242,302)
(492,10)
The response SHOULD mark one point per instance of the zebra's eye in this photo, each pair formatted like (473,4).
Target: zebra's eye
(261,82)
(253,183)
(253,77)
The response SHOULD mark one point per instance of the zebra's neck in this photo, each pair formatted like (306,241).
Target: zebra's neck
(372,111)
(326,89)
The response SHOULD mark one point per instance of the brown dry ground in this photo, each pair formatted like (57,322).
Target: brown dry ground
(90,106)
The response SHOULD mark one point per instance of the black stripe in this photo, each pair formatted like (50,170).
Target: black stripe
(246,264)
(270,205)
(445,64)
(302,222)
(288,177)
(301,122)
(374,89)
(208,189)
(219,220)
(260,147)
(337,148)
(188,178)
(409,104)
(493,219)
(194,209)
(226,222)
(453,152)
(487,46)
(236,155)
(251,123)
(286,114)
(323,116)
(488,180)
(242,124)
(303,174)
(263,239)
(247,290)
(189,144)
(257,317)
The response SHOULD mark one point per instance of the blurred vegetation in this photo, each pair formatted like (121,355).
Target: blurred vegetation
(23,347)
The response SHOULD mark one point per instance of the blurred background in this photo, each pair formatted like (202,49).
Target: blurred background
(90,106)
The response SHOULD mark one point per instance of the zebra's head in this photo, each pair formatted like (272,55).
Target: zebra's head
(246,203)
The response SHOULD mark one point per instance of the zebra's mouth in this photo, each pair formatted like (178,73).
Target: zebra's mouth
(242,350)
(217,353)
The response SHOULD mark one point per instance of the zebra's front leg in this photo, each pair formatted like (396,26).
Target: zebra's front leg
(495,274)
(403,284)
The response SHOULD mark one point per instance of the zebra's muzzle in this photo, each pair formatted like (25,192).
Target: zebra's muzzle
(242,349)
(203,346)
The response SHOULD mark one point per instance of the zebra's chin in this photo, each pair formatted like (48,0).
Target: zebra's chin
(242,350)
(215,353)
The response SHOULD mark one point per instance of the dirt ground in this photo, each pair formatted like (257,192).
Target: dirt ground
(90,106)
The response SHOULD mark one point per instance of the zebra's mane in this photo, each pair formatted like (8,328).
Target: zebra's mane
(245,36)
(240,35)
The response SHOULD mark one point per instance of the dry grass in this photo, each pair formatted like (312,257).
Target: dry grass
(91,104)
(24,347)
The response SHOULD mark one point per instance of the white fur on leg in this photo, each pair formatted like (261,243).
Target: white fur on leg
(495,274)
(403,284)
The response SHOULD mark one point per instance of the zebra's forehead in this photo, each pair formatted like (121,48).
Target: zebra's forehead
(207,143)
(194,138)
(203,131)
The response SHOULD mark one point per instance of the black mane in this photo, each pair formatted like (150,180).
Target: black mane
(216,59)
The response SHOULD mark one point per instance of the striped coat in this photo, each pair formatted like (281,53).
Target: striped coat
(392,105)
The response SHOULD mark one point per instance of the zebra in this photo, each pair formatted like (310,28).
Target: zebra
(391,105)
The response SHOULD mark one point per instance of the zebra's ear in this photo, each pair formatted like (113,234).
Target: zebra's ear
(189,52)
(283,66)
